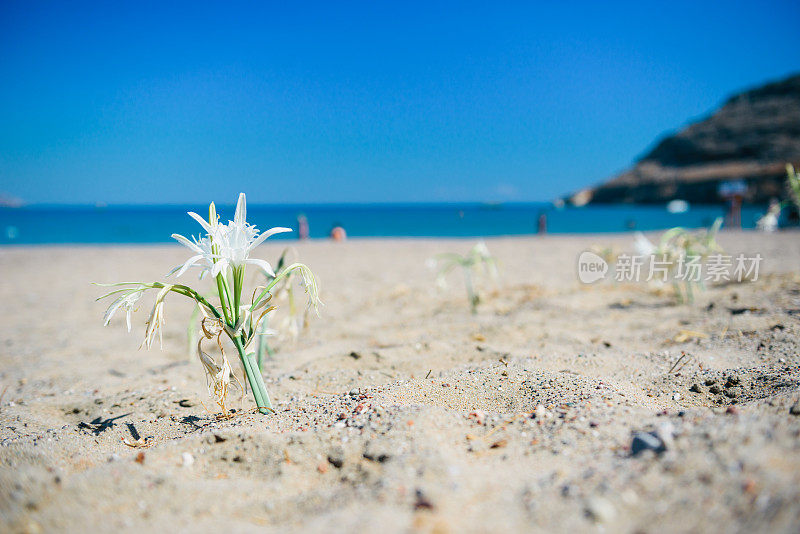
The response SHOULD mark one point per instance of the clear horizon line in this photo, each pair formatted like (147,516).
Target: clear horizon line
(102,205)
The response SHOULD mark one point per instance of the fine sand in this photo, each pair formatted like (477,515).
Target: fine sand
(398,410)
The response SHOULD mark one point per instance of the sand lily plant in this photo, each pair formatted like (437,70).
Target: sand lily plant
(223,254)
(477,262)
(679,248)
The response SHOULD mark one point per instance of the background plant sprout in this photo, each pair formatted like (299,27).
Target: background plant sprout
(223,252)
(678,245)
(609,255)
(769,221)
(607,252)
(793,184)
(294,321)
(477,262)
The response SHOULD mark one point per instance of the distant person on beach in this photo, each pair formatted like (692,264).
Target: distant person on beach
(733,192)
(302,227)
(542,223)
(338,233)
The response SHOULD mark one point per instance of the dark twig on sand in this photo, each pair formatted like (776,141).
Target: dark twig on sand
(680,363)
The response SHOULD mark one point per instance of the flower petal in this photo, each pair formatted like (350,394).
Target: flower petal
(221,266)
(272,231)
(241,210)
(189,263)
(263,264)
(185,242)
(112,309)
(202,222)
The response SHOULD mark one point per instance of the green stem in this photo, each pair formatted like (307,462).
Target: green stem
(473,300)
(274,281)
(254,378)
(187,291)
(227,289)
(237,292)
(222,298)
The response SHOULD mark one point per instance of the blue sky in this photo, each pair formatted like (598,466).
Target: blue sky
(167,102)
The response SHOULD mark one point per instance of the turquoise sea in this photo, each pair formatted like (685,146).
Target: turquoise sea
(155,224)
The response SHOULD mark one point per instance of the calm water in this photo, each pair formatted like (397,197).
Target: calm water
(140,224)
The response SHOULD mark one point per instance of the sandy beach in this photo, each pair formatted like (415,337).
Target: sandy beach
(400,410)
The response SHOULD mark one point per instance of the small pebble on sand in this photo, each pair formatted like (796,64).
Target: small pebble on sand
(646,441)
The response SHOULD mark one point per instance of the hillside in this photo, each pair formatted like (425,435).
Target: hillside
(750,138)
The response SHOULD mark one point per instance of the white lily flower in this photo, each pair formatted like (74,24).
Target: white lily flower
(268,332)
(225,246)
(204,253)
(238,238)
(218,375)
(127,301)
(309,284)
(156,320)
(208,362)
(202,247)
(482,250)
(486,260)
